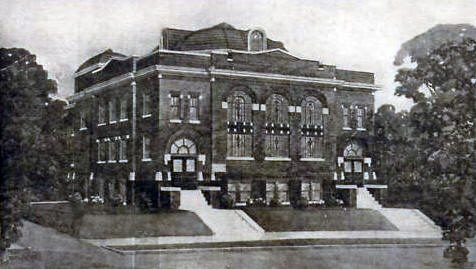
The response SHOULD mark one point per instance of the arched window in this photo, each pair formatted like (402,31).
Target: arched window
(239,109)
(353,150)
(183,146)
(240,125)
(277,109)
(239,104)
(311,128)
(353,158)
(277,127)
(257,41)
(311,109)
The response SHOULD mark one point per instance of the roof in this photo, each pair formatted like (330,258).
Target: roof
(100,58)
(220,36)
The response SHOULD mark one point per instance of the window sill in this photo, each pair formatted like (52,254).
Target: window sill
(146,116)
(240,158)
(312,159)
(123,161)
(176,121)
(194,121)
(123,120)
(101,162)
(83,129)
(102,124)
(112,161)
(346,128)
(286,159)
(113,122)
(146,160)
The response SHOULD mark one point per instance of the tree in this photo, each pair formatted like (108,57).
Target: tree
(442,129)
(28,144)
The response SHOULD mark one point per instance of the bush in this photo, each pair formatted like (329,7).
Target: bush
(300,204)
(227,201)
(274,203)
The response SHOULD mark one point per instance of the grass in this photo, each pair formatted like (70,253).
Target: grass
(105,225)
(287,219)
(164,223)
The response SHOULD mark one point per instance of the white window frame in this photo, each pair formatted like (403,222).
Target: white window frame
(112,152)
(146,105)
(146,149)
(112,111)
(123,109)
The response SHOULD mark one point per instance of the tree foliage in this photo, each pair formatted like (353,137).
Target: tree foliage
(433,145)
(30,138)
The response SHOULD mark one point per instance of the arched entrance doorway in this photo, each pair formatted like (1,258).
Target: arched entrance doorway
(184,163)
(353,162)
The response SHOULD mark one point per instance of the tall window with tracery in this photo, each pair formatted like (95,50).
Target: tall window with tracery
(239,125)
(312,130)
(277,127)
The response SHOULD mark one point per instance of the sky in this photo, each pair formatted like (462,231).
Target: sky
(362,35)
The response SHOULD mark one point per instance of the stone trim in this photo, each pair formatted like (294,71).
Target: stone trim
(286,159)
(375,186)
(272,76)
(231,158)
(170,189)
(346,186)
(312,159)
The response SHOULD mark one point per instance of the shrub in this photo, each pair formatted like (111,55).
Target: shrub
(227,201)
(300,204)
(274,203)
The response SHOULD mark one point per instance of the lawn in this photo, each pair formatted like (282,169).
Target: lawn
(287,219)
(163,223)
(126,224)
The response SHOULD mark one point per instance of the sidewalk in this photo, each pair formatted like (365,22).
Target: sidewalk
(268,236)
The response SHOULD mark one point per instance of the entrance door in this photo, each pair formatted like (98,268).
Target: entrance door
(184,172)
(184,164)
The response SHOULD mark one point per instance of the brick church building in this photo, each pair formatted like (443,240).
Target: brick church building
(224,110)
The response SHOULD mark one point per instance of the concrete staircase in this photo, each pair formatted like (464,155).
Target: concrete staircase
(366,200)
(223,222)
(406,220)
(411,220)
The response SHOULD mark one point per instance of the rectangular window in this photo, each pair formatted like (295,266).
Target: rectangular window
(112,150)
(345,114)
(358,167)
(146,110)
(112,111)
(123,109)
(145,147)
(123,150)
(175,107)
(348,167)
(277,146)
(193,108)
(101,152)
(177,166)
(190,165)
(360,117)
(101,113)
(82,120)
